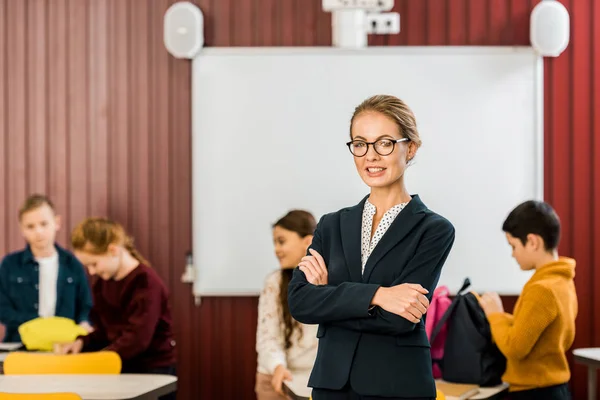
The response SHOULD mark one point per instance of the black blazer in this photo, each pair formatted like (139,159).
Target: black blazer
(379,353)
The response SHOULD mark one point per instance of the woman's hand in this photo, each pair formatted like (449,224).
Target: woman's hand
(491,303)
(314,268)
(281,374)
(69,348)
(406,300)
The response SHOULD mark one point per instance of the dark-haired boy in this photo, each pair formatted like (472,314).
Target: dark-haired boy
(535,338)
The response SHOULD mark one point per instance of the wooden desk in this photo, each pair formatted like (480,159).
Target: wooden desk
(93,387)
(591,358)
(298,390)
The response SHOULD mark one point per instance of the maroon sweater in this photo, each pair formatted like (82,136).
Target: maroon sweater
(132,317)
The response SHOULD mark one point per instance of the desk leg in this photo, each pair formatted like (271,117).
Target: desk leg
(591,383)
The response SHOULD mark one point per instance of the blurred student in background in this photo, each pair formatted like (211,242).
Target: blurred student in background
(284,345)
(42,280)
(131,312)
(536,337)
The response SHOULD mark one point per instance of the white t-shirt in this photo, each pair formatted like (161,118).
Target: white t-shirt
(47,289)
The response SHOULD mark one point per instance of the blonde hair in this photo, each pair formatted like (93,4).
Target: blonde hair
(33,202)
(395,109)
(94,235)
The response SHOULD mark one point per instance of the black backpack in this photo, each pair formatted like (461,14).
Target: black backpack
(470,355)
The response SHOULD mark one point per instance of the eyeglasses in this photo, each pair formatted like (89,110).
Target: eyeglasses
(383,147)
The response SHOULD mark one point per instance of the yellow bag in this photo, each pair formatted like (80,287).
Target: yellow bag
(42,333)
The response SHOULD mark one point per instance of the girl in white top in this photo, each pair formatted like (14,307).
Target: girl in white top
(284,345)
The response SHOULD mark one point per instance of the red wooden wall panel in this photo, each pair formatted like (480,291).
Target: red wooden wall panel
(595,170)
(94,112)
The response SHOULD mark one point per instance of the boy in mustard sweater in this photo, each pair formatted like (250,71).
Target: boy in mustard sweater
(535,338)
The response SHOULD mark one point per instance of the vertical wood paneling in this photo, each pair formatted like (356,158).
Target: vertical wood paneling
(119,137)
(266,22)
(560,123)
(77,137)
(286,17)
(414,16)
(139,127)
(519,17)
(16,127)
(98,84)
(205,316)
(457,22)
(437,27)
(37,105)
(581,158)
(306,22)
(222,23)
(478,26)
(58,111)
(323,27)
(209,23)
(4,232)
(595,87)
(499,17)
(180,239)
(160,227)
(94,112)
(241,18)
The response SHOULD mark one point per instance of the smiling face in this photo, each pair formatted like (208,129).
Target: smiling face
(290,247)
(379,171)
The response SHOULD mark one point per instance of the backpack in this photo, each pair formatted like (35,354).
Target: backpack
(470,355)
(440,302)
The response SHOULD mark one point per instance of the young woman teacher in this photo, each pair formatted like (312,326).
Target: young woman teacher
(372,268)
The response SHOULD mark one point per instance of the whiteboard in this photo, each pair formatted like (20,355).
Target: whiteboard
(269,130)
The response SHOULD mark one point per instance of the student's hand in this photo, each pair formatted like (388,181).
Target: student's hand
(314,268)
(406,300)
(491,303)
(85,325)
(69,348)
(281,374)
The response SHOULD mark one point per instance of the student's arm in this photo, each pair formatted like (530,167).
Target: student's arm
(9,315)
(424,268)
(97,340)
(516,335)
(84,295)
(143,313)
(269,337)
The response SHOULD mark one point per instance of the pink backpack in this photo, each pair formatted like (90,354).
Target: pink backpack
(440,302)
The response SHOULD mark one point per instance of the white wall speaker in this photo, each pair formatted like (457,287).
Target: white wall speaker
(184,30)
(549,29)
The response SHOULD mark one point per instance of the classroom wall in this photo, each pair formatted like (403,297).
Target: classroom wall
(94,112)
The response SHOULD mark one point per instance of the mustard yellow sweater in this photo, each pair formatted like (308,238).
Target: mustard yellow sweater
(535,339)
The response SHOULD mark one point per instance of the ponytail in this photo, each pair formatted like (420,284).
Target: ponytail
(134,252)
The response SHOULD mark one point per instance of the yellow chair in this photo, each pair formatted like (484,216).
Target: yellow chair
(42,333)
(101,362)
(439,395)
(39,396)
